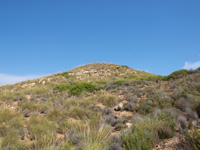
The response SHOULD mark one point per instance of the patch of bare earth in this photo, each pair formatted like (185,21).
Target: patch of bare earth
(178,142)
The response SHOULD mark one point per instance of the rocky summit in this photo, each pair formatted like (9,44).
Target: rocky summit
(102,106)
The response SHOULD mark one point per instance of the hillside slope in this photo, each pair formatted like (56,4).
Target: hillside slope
(102,106)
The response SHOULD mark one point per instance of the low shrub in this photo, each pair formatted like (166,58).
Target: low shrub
(145,108)
(179,73)
(107,111)
(117,121)
(129,106)
(183,124)
(119,82)
(64,74)
(182,104)
(115,146)
(77,88)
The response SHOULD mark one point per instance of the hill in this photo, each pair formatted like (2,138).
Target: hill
(102,106)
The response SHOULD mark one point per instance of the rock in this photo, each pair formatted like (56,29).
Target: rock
(78,73)
(43,82)
(71,74)
(79,77)
(129,125)
(35,113)
(86,72)
(26,112)
(24,85)
(119,107)
(32,84)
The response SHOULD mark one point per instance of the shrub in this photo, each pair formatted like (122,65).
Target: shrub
(145,108)
(116,139)
(109,119)
(182,104)
(117,121)
(176,74)
(107,111)
(183,124)
(119,126)
(168,128)
(119,82)
(131,98)
(115,146)
(64,74)
(26,112)
(129,107)
(77,88)
(136,118)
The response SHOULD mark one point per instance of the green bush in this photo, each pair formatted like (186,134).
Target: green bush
(77,88)
(119,82)
(145,108)
(167,130)
(64,74)
(177,74)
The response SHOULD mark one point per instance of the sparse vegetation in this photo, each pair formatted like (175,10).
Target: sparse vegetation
(84,107)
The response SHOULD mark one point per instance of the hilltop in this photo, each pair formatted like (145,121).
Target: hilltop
(102,106)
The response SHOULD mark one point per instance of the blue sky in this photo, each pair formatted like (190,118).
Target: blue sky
(40,37)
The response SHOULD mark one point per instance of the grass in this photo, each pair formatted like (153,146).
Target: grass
(96,139)
(145,133)
(43,132)
(78,113)
(107,99)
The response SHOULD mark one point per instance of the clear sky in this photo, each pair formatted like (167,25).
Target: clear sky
(40,37)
